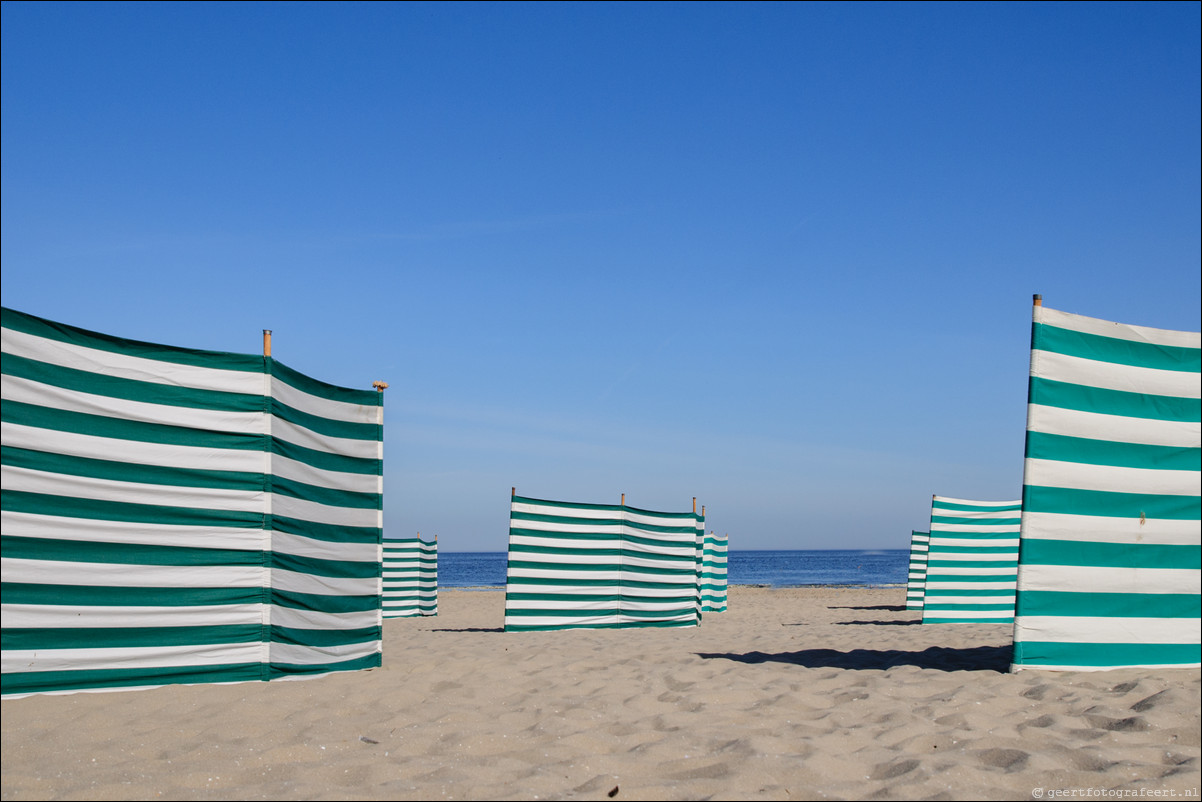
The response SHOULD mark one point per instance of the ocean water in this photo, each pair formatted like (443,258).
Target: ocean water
(866,568)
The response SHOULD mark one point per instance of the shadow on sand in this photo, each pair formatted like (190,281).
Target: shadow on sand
(897,608)
(978,658)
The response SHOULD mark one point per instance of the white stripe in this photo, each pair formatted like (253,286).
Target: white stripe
(942,501)
(344,446)
(928,613)
(301,546)
(130,451)
(565,512)
(292,654)
(1042,667)
(935,583)
(97,616)
(1115,376)
(1108,478)
(1098,529)
(553,528)
(334,480)
(63,572)
(1109,629)
(16,661)
(298,399)
(1114,428)
(295,582)
(940,532)
(46,395)
(1003,597)
(154,371)
(86,487)
(1092,579)
(95,530)
(977,543)
(311,511)
(1122,331)
(315,619)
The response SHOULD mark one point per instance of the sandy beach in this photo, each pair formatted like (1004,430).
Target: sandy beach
(792,694)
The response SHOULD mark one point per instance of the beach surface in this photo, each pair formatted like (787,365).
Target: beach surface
(803,693)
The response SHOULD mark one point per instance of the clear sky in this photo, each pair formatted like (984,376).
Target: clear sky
(779,257)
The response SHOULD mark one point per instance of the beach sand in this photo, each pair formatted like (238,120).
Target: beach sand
(792,694)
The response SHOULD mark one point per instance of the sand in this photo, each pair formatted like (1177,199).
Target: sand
(792,694)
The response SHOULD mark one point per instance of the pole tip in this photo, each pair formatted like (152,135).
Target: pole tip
(380,386)
(1038,300)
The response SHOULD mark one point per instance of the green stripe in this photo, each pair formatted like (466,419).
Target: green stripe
(1037,551)
(641,615)
(1116,350)
(217,360)
(563,519)
(335,569)
(982,592)
(1062,448)
(85,680)
(130,472)
(326,604)
(329,533)
(1073,501)
(69,507)
(1063,395)
(563,504)
(106,596)
(1109,605)
(1091,655)
(609,538)
(616,597)
(351,499)
(329,427)
(103,384)
(330,392)
(30,638)
(934,606)
(325,460)
(281,670)
(61,420)
(324,637)
(518,627)
(1002,619)
(590,568)
(934,580)
(585,582)
(999,522)
(37,548)
(945,505)
(948,549)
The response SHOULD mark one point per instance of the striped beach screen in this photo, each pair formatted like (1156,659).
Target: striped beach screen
(1109,573)
(972,561)
(601,565)
(173,515)
(410,577)
(916,582)
(713,574)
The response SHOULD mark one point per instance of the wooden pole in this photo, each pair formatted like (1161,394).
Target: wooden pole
(1038,300)
(694,505)
(623,499)
(380,386)
(266,342)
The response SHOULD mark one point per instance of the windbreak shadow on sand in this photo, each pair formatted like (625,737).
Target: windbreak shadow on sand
(471,629)
(906,623)
(979,658)
(896,608)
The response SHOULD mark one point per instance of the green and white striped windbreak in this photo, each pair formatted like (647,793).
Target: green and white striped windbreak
(181,516)
(410,577)
(917,580)
(972,561)
(713,574)
(601,565)
(1109,574)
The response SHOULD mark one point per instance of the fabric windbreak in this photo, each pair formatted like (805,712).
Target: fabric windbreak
(972,561)
(599,565)
(916,580)
(1109,573)
(410,577)
(173,515)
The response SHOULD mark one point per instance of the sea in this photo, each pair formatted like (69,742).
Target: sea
(778,569)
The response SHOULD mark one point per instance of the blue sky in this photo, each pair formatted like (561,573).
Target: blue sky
(778,257)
